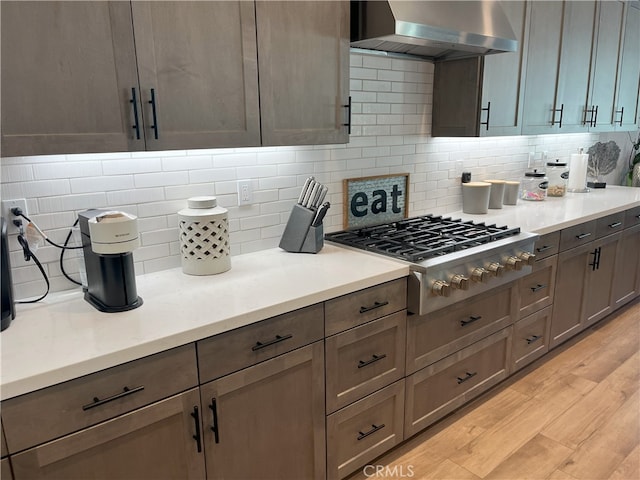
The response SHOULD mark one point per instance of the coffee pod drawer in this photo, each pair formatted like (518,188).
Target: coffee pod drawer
(531,338)
(364,359)
(364,430)
(446,385)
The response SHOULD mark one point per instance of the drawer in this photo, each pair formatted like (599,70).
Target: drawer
(438,389)
(610,224)
(364,430)
(547,245)
(577,235)
(438,334)
(530,338)
(246,346)
(49,413)
(363,306)
(536,289)
(632,217)
(364,359)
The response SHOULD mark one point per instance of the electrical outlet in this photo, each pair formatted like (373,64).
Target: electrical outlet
(7,205)
(245,194)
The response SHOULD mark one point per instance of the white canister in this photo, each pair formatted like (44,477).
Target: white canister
(475,197)
(204,237)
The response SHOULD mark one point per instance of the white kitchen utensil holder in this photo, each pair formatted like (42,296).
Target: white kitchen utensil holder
(299,235)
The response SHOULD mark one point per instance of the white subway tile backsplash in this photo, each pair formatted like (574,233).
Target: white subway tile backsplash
(391,116)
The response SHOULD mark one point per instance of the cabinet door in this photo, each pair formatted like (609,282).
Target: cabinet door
(503,81)
(600,280)
(267,421)
(198,73)
(153,442)
(626,281)
(605,63)
(543,57)
(304,71)
(569,298)
(575,61)
(626,111)
(68,69)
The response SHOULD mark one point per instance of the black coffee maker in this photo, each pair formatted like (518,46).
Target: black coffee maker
(108,238)
(8,305)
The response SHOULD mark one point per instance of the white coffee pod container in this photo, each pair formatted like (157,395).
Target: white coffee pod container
(204,237)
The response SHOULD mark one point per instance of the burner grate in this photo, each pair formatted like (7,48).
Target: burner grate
(420,238)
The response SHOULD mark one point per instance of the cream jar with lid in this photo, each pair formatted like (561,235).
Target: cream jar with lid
(533,186)
(558,174)
(475,197)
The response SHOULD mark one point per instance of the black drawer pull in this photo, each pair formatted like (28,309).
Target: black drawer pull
(538,287)
(373,359)
(488,110)
(583,235)
(374,306)
(467,376)
(348,124)
(125,391)
(533,338)
(374,429)
(472,318)
(214,426)
(136,123)
(278,339)
(615,224)
(196,418)
(152,102)
(543,248)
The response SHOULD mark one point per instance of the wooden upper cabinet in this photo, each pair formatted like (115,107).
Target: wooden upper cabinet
(67,73)
(303,54)
(626,114)
(199,61)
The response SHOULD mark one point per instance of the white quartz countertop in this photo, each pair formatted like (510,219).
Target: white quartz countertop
(556,213)
(63,337)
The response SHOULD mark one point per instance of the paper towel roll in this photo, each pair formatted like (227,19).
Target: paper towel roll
(578,172)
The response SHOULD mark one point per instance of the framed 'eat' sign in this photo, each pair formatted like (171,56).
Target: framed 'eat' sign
(375,200)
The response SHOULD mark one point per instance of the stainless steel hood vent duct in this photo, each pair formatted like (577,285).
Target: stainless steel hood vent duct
(434,30)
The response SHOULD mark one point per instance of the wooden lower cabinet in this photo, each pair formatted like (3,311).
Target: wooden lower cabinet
(5,469)
(438,389)
(626,281)
(599,281)
(364,430)
(153,442)
(267,421)
(530,338)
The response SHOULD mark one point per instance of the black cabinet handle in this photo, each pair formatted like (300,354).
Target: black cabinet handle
(136,123)
(621,112)
(278,339)
(374,429)
(214,426)
(467,376)
(374,306)
(594,116)
(488,110)
(543,248)
(126,391)
(196,417)
(596,259)
(615,224)
(533,338)
(472,318)
(553,117)
(153,111)
(538,287)
(583,235)
(373,359)
(348,124)
(595,119)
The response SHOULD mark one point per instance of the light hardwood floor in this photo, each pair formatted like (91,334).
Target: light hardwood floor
(574,414)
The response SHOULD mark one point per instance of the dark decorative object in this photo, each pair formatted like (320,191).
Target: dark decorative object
(603,158)
(633,174)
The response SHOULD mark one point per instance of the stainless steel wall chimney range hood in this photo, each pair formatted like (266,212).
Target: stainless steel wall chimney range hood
(435,30)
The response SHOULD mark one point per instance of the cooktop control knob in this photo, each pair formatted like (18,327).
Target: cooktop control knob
(528,258)
(460,282)
(513,263)
(441,288)
(479,275)
(496,269)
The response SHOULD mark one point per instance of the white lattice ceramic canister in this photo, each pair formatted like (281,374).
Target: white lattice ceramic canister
(204,237)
